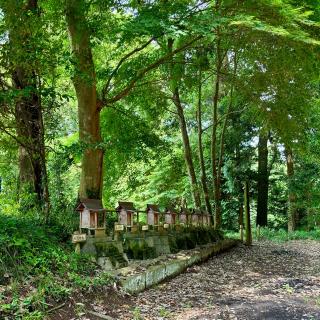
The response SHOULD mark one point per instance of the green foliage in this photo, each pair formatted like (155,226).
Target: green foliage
(269,80)
(279,235)
(283,235)
(39,261)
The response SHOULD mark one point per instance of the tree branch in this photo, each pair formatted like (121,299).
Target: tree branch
(122,60)
(124,92)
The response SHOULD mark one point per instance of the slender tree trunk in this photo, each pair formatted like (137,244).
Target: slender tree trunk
(187,149)
(174,85)
(88,112)
(200,148)
(28,108)
(263,180)
(292,209)
(240,190)
(214,162)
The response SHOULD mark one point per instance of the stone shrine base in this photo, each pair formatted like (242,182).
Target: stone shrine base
(115,252)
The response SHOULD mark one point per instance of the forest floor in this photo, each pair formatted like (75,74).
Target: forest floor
(266,281)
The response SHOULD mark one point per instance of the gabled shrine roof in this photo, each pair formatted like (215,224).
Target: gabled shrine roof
(170,210)
(196,211)
(185,210)
(153,207)
(128,206)
(90,204)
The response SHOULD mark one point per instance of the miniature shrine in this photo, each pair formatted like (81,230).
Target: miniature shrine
(153,215)
(135,237)
(196,217)
(92,217)
(170,217)
(184,216)
(126,213)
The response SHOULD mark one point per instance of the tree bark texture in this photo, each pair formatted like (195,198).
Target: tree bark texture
(263,180)
(28,108)
(84,81)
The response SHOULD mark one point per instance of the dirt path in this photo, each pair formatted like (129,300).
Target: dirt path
(267,281)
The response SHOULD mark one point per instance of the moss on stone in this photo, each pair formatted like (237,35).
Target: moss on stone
(139,250)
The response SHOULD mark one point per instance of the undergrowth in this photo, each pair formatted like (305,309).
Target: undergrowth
(38,268)
(279,235)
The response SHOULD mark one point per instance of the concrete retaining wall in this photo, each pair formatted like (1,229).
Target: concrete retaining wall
(156,274)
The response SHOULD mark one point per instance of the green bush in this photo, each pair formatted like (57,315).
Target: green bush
(38,263)
(279,235)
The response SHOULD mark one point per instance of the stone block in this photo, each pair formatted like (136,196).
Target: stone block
(155,274)
(135,283)
(194,258)
(105,263)
(175,267)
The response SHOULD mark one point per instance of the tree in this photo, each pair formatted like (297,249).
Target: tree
(26,89)
(88,103)
(88,109)
(292,209)
(263,180)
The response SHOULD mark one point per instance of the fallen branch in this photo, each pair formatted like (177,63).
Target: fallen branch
(57,307)
(99,315)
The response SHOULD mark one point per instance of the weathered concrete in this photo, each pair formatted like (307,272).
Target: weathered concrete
(133,283)
(108,253)
(155,274)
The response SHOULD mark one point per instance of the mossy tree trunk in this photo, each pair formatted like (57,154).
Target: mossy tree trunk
(21,17)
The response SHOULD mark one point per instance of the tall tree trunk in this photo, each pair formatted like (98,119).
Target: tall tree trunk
(292,209)
(84,82)
(263,180)
(187,149)
(30,131)
(200,150)
(175,78)
(214,160)
(239,186)
(28,108)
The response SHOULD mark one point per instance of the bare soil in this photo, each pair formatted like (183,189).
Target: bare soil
(266,281)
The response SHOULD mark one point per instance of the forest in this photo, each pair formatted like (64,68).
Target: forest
(210,105)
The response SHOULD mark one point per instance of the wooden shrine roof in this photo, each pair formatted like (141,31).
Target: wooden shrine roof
(128,206)
(90,204)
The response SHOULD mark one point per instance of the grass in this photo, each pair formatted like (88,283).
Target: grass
(279,235)
(38,268)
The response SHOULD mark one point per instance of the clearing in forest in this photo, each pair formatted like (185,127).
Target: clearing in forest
(266,281)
